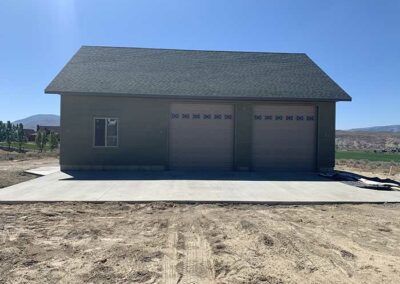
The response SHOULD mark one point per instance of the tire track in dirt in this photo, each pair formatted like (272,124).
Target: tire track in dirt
(170,260)
(197,265)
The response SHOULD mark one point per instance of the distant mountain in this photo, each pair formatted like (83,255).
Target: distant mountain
(388,128)
(42,119)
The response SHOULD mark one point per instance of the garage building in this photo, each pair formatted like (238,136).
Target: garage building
(165,109)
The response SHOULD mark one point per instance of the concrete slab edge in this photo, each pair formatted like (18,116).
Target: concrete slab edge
(270,203)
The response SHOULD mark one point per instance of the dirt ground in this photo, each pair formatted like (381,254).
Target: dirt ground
(383,170)
(12,165)
(198,243)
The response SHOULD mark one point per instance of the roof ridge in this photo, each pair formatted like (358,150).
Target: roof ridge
(198,50)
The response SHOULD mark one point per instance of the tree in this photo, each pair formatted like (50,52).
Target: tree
(41,140)
(53,140)
(9,134)
(38,138)
(2,131)
(20,136)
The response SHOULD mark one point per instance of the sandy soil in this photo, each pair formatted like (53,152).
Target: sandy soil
(370,169)
(177,243)
(12,165)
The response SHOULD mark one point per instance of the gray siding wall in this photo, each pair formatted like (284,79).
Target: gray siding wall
(326,136)
(243,134)
(143,126)
(143,133)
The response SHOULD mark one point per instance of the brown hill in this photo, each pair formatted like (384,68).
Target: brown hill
(349,140)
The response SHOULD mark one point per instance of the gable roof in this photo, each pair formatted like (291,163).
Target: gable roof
(192,73)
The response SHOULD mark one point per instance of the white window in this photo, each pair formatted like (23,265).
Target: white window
(105,132)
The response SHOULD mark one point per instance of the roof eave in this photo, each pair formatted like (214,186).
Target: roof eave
(46,91)
(155,96)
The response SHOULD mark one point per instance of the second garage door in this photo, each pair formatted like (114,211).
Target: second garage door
(284,137)
(201,136)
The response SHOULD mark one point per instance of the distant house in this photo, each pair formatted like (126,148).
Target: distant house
(48,129)
(140,108)
(29,134)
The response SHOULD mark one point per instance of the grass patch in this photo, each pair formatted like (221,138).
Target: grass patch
(368,155)
(31,146)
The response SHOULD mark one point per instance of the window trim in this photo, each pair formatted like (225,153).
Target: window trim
(105,132)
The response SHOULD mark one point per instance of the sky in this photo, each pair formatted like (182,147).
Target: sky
(357,43)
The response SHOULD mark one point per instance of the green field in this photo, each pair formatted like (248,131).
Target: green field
(368,155)
(26,146)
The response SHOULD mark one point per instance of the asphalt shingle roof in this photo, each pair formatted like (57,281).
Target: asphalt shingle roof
(192,73)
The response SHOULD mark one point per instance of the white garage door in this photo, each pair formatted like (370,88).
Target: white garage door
(201,136)
(284,137)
